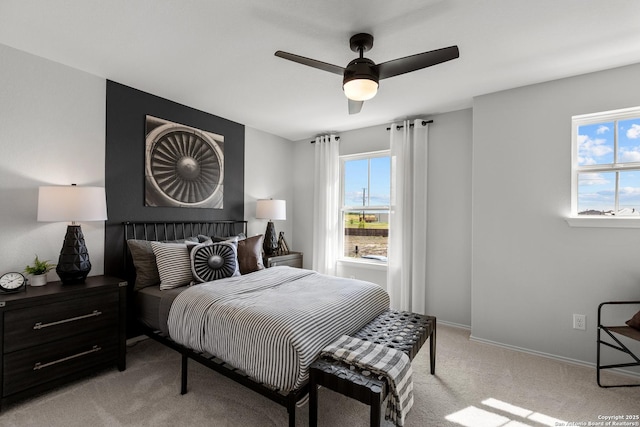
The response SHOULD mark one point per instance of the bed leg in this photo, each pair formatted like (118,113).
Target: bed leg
(183,380)
(291,409)
(313,405)
(432,348)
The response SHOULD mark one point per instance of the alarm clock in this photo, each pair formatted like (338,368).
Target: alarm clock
(12,282)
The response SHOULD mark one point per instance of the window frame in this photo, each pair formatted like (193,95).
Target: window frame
(343,208)
(614,221)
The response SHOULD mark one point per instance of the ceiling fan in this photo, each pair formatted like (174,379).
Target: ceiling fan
(361,76)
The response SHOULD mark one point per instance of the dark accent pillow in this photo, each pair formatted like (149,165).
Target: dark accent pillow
(250,254)
(144,260)
(214,261)
(634,322)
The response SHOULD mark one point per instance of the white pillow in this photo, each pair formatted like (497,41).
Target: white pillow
(174,265)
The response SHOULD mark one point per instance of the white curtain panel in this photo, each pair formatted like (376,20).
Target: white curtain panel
(407,254)
(326,219)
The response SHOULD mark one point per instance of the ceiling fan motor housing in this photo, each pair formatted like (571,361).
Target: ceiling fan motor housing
(363,74)
(360,68)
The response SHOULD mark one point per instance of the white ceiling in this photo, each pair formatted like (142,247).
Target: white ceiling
(218,56)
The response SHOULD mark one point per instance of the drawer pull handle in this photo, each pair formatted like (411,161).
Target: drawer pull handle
(41,325)
(39,365)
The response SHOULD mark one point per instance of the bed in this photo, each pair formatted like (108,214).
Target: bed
(260,327)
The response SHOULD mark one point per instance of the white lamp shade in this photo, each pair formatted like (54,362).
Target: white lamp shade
(360,89)
(71,203)
(271,209)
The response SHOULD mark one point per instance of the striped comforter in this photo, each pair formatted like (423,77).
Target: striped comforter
(273,323)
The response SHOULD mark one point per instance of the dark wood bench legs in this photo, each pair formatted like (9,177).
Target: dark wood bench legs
(374,400)
(375,409)
(364,389)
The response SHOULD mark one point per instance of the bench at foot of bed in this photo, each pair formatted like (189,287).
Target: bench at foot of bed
(401,330)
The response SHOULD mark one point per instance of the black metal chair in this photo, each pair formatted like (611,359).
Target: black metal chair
(614,332)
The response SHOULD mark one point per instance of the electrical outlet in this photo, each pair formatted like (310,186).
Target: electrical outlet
(579,321)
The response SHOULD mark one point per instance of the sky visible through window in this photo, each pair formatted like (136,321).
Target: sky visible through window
(596,147)
(366,199)
(355,182)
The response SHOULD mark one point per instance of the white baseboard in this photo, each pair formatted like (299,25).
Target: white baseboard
(455,325)
(552,356)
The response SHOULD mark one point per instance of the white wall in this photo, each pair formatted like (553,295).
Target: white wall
(268,174)
(448,254)
(52,132)
(303,173)
(531,271)
(449,218)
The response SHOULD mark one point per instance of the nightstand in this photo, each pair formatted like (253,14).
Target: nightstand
(57,333)
(292,259)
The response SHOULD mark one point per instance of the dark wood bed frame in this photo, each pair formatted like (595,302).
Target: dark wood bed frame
(179,230)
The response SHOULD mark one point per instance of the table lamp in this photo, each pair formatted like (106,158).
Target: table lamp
(72,203)
(273,210)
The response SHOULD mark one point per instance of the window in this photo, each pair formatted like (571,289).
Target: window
(606,164)
(366,194)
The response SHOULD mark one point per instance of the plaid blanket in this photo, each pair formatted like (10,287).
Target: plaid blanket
(393,364)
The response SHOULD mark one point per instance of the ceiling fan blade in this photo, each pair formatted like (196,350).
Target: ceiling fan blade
(416,62)
(355,106)
(310,62)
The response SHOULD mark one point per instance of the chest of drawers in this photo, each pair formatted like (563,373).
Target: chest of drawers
(57,333)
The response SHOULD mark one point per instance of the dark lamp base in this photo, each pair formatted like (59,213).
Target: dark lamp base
(73,263)
(270,244)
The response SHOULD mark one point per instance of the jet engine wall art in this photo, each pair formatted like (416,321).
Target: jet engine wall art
(184,166)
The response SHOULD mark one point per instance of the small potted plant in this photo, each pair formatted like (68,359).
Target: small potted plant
(38,271)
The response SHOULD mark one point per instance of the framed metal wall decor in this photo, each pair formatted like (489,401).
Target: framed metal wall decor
(184,166)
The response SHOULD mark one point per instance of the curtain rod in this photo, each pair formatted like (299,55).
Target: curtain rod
(424,123)
(337,139)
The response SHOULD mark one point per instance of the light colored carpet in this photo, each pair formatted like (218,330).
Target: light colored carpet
(475,385)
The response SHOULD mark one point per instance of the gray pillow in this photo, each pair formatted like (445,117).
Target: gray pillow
(236,238)
(204,239)
(144,260)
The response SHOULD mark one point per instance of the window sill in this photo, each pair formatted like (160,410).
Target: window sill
(604,222)
(377,265)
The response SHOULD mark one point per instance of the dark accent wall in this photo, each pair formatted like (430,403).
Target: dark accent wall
(124,170)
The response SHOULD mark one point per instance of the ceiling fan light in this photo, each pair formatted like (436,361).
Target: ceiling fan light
(360,89)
